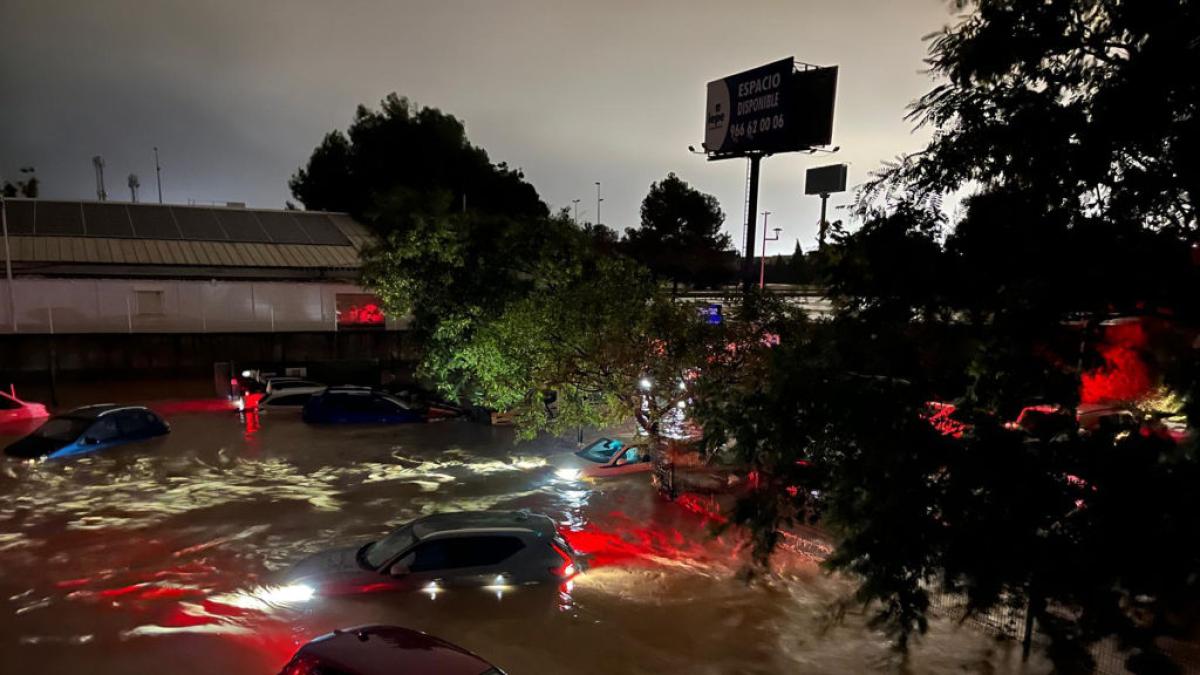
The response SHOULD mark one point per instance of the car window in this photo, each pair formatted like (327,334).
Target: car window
(292,384)
(600,451)
(389,547)
(632,455)
(62,428)
(384,405)
(444,554)
(104,429)
(137,422)
(358,403)
(343,402)
(289,399)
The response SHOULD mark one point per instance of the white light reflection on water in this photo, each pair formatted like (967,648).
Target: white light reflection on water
(182,538)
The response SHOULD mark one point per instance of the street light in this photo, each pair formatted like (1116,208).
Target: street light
(576,203)
(762,269)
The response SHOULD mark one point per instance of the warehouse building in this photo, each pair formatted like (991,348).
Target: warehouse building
(227,282)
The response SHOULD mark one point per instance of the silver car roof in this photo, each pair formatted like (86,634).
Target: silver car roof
(483,520)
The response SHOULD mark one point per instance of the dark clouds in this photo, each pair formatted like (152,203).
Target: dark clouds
(236,94)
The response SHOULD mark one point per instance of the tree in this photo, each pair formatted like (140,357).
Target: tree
(511,311)
(23,188)
(418,158)
(1070,124)
(798,268)
(680,237)
(1079,102)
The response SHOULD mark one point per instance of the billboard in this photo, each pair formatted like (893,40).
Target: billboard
(769,109)
(359,310)
(824,180)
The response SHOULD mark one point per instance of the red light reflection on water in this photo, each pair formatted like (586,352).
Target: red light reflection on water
(201,405)
(637,544)
(705,507)
(252,426)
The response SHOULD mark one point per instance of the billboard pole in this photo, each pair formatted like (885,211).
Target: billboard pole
(751,216)
(821,232)
(8,275)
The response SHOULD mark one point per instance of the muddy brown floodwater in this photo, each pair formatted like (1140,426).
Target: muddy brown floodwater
(159,558)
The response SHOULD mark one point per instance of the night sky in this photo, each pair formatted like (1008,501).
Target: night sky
(236,94)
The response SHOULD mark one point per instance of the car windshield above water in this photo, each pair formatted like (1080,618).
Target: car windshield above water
(378,553)
(63,428)
(600,451)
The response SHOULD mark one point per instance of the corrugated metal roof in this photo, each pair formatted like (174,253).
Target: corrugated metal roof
(51,243)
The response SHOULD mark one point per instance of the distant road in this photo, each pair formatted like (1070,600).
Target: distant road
(809,298)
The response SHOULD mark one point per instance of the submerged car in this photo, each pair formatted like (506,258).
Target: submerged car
(602,458)
(384,650)
(358,405)
(14,411)
(89,429)
(435,406)
(478,548)
(291,399)
(278,384)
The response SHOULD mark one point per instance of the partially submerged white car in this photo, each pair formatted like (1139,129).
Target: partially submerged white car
(602,458)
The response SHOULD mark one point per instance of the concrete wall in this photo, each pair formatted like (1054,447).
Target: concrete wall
(88,306)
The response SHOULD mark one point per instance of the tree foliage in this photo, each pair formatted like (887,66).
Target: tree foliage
(1069,123)
(1081,102)
(418,157)
(22,188)
(511,310)
(680,237)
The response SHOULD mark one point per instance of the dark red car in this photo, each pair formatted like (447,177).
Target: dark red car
(384,650)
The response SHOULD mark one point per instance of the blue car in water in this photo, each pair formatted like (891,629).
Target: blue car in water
(89,429)
(358,405)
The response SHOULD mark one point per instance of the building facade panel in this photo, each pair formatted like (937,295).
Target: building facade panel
(170,305)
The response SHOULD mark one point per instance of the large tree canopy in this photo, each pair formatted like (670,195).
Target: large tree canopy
(513,310)
(1081,102)
(680,237)
(419,158)
(1074,130)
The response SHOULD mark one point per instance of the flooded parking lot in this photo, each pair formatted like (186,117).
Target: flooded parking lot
(165,557)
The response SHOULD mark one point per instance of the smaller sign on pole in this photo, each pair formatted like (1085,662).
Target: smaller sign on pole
(824,180)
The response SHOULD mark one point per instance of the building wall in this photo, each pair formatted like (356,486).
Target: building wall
(86,306)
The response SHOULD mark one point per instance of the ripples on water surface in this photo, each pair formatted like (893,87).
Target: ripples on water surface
(163,558)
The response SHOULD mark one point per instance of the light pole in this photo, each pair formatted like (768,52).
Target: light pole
(762,269)
(576,203)
(598,200)
(12,298)
(158,174)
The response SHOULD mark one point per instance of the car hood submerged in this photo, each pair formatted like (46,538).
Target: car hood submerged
(332,572)
(32,447)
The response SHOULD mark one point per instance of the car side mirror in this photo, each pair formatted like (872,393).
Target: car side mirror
(401,567)
(621,461)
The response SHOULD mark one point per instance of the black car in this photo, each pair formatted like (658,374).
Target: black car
(88,429)
(358,405)
(384,650)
